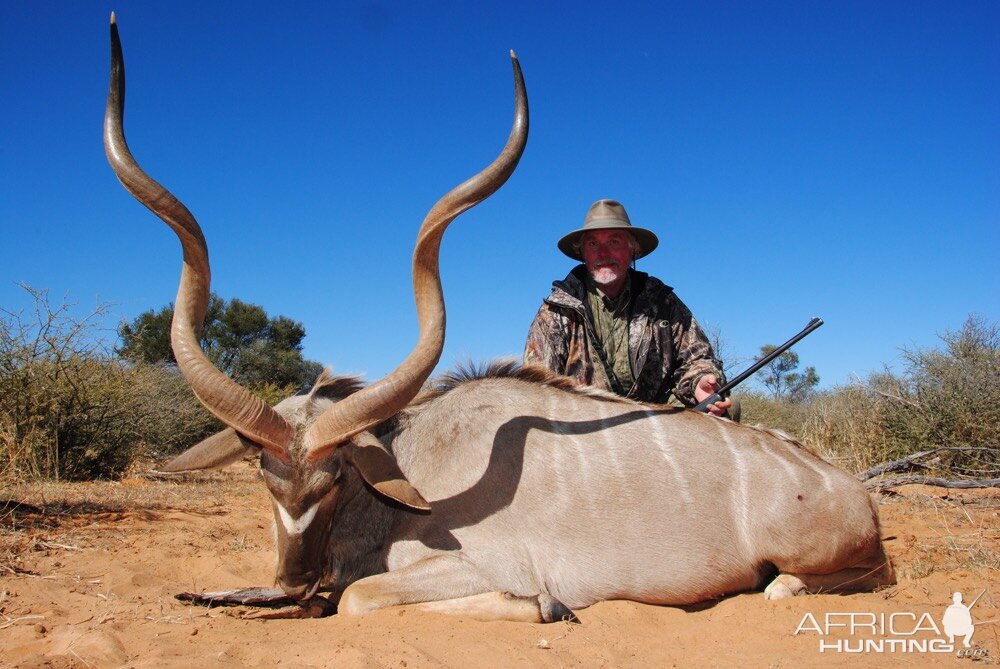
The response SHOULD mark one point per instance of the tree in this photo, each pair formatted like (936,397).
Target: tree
(781,378)
(239,338)
(722,349)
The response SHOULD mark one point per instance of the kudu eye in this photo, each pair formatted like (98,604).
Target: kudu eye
(333,467)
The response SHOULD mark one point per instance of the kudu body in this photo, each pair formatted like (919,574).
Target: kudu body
(534,494)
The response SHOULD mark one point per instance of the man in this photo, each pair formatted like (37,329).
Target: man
(612,327)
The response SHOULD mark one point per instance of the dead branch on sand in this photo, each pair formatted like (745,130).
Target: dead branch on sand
(913,462)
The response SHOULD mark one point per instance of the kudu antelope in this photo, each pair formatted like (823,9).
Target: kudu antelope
(535,496)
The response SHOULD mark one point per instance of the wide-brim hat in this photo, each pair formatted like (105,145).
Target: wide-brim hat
(608,215)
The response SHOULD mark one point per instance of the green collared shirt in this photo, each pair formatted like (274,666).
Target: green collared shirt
(611,320)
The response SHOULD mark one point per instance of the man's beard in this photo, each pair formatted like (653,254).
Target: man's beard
(606,275)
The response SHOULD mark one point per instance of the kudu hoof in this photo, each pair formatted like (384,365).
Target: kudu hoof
(554,611)
(784,587)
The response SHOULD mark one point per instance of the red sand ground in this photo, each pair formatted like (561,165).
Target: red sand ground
(90,581)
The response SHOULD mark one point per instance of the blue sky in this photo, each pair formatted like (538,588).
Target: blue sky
(795,158)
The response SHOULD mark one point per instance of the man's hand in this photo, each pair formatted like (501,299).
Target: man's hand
(707,385)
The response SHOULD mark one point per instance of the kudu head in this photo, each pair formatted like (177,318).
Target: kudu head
(306,442)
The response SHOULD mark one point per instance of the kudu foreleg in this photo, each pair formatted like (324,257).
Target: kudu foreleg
(269,598)
(860,578)
(448,584)
(504,606)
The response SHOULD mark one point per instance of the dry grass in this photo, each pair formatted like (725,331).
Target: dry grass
(966,542)
(960,532)
(71,410)
(945,398)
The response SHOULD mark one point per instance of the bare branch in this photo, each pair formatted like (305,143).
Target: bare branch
(882,484)
(910,463)
(901,465)
(896,398)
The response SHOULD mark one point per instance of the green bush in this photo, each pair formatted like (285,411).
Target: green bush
(948,397)
(68,410)
(61,402)
(239,338)
(944,397)
(955,392)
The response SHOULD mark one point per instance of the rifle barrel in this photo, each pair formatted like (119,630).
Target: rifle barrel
(814,323)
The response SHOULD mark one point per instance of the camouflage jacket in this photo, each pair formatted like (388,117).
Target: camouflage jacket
(668,350)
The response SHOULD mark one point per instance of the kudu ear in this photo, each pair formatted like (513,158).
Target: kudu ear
(379,470)
(221,449)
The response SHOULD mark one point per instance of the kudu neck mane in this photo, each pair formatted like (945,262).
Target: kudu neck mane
(338,387)
(509,369)
(358,528)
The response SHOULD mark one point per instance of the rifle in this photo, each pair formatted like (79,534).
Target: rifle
(718,395)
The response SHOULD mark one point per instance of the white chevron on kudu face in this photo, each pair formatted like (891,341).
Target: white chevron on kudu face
(296,525)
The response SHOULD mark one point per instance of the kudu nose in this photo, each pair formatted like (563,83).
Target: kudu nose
(301,588)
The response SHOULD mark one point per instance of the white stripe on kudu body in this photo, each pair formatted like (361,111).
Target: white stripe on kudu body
(794,477)
(817,466)
(662,444)
(741,491)
(611,439)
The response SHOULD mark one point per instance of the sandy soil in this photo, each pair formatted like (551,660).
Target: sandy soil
(88,574)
